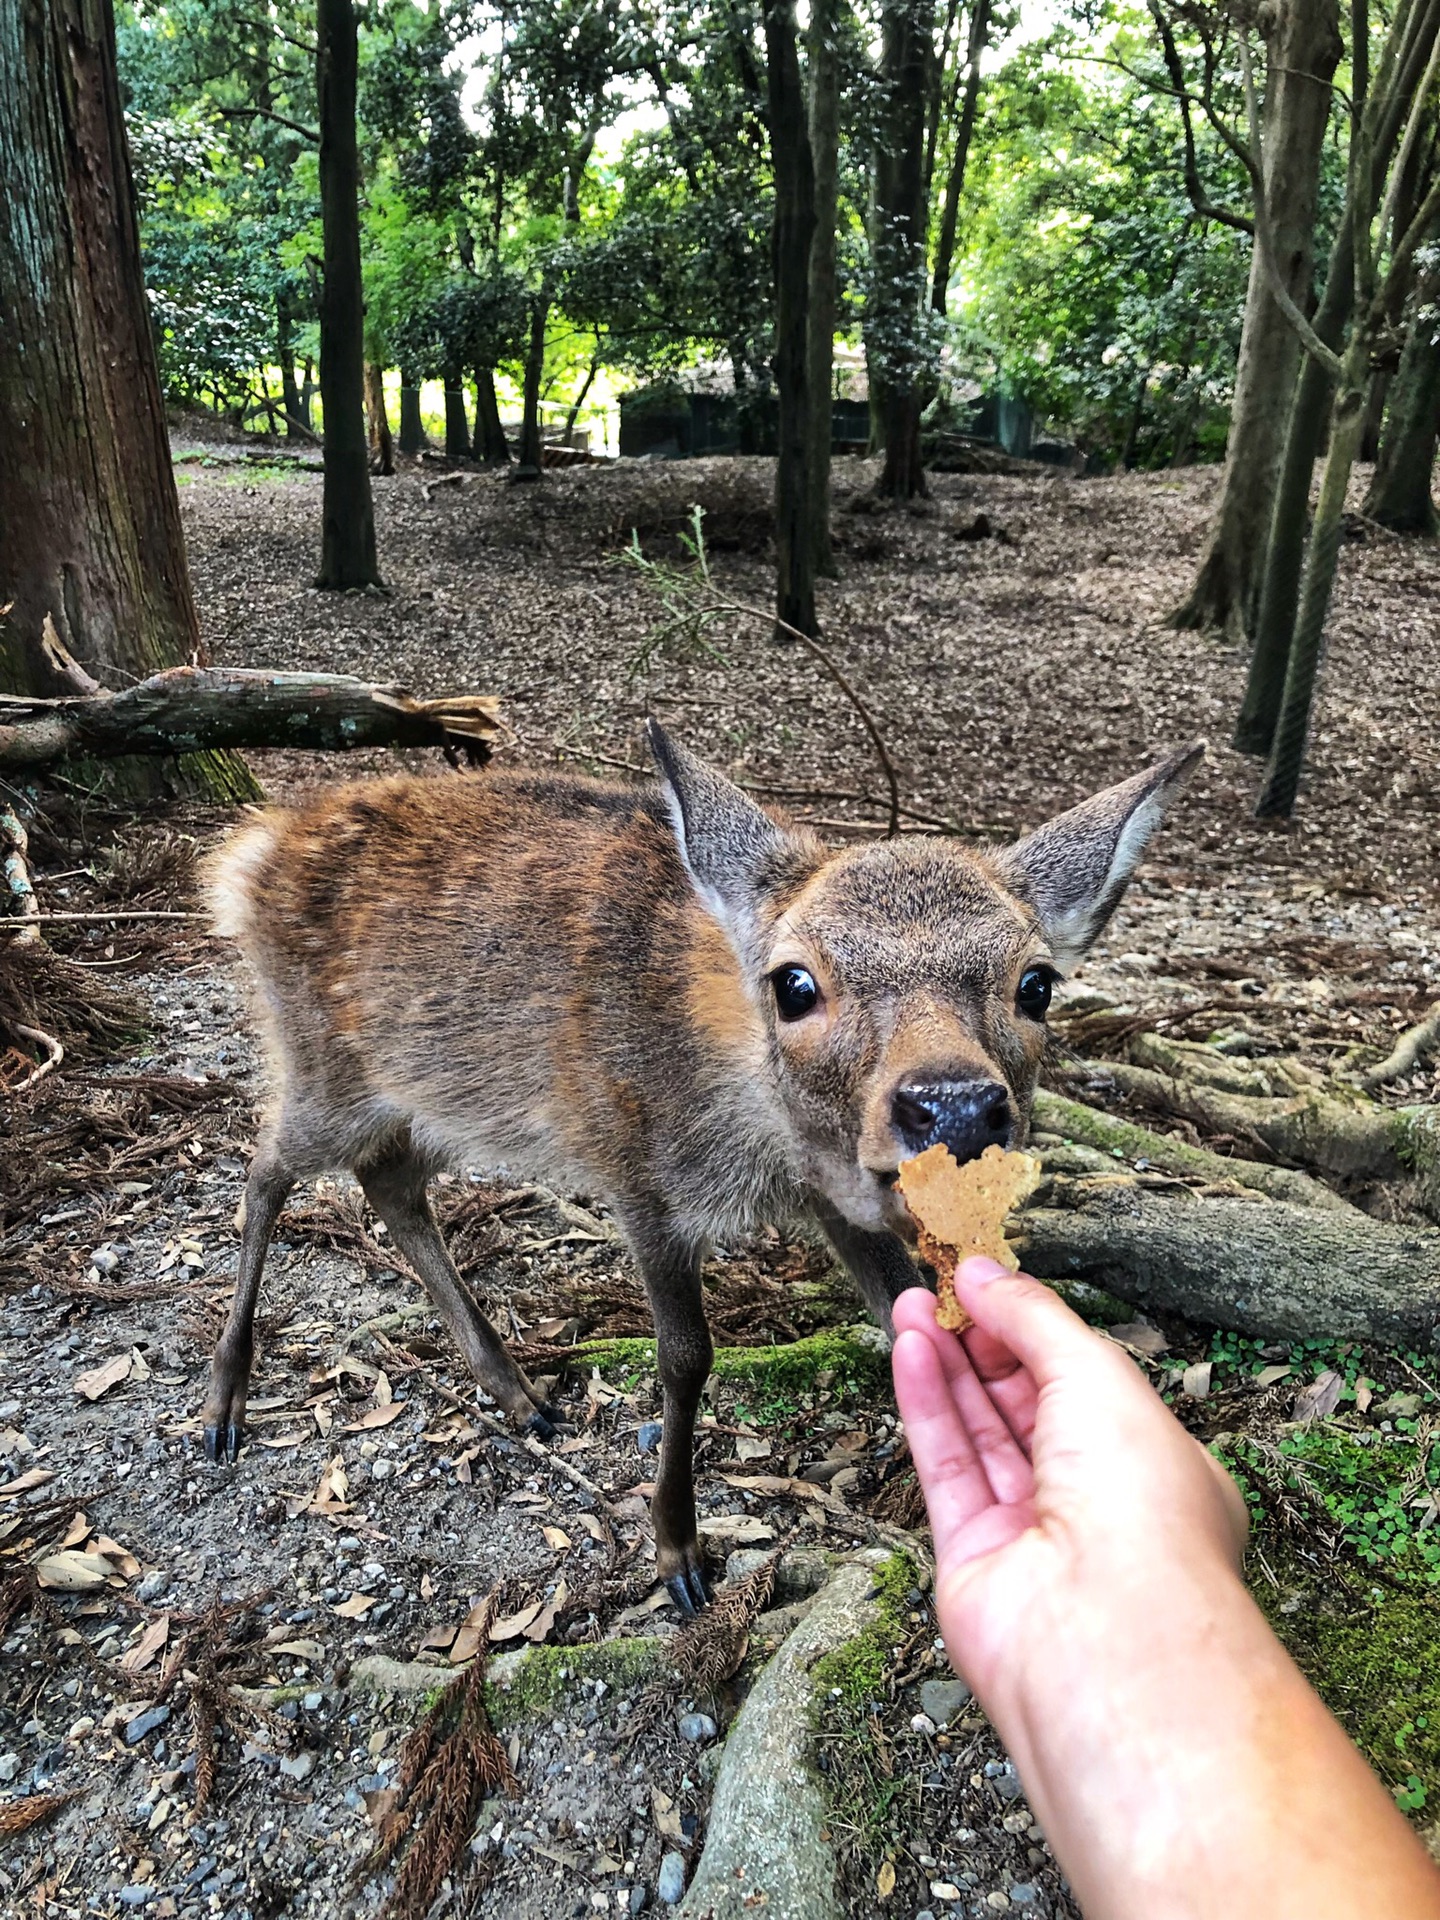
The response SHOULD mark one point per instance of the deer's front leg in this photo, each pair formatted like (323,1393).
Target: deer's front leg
(878,1263)
(670,1268)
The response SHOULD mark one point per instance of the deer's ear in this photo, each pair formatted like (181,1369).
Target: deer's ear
(734,853)
(1074,869)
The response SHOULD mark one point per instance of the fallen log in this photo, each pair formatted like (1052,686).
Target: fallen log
(1261,1267)
(190,709)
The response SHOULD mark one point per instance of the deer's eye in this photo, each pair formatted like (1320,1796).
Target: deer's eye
(1032,996)
(796,993)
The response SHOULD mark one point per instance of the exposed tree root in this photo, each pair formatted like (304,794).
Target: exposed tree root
(1413,1046)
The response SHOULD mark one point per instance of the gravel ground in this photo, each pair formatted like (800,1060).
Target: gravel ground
(1010,676)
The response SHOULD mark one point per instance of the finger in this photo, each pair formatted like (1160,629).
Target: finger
(955,1484)
(1008,1384)
(1232,1500)
(1007,1465)
(1035,1325)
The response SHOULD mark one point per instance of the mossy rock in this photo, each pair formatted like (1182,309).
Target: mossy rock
(530,1685)
(1378,1670)
(855,1672)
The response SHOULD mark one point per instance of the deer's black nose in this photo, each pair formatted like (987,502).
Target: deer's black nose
(965,1115)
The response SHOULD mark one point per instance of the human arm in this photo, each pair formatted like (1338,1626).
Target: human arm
(1087,1585)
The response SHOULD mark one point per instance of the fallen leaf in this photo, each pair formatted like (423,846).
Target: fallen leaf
(379,1802)
(1141,1336)
(466,1643)
(333,1492)
(1364,1394)
(1320,1399)
(514,1624)
(377,1417)
(147,1646)
(138,1368)
(99,1380)
(280,1440)
(78,1530)
(591,1523)
(885,1879)
(746,1529)
(577,1443)
(72,1572)
(383,1395)
(667,1819)
(427,1587)
(1267,1376)
(35,1477)
(644,1608)
(557,1538)
(748,1449)
(355,1608)
(782,1483)
(436,1640)
(1195,1381)
(310,1650)
(539,1628)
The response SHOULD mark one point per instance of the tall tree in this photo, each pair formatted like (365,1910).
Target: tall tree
(823,63)
(793,233)
(90,536)
(1302,49)
(347,544)
(1400,495)
(964,134)
(896,341)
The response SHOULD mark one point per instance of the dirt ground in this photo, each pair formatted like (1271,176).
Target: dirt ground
(1011,674)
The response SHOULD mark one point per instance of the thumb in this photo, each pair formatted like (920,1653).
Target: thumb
(1033,1322)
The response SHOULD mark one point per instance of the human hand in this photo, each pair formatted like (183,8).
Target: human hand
(1066,1501)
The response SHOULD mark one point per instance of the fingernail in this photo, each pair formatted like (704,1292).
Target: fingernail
(979,1270)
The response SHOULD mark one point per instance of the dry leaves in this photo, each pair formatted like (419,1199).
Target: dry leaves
(1320,1399)
(99,1380)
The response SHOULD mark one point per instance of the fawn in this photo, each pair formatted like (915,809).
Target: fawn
(660,994)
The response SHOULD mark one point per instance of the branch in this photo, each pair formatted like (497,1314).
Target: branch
(1413,1046)
(1201,202)
(189,709)
(265,113)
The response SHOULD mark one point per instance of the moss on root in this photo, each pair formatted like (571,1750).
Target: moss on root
(540,1678)
(848,1357)
(855,1672)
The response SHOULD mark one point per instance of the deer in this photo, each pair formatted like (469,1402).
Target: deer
(662,995)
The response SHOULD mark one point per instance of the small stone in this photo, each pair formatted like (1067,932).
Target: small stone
(9,1766)
(382,1468)
(145,1723)
(1024,1893)
(648,1438)
(943,1699)
(298,1766)
(921,1723)
(105,1259)
(152,1586)
(697,1728)
(998,1902)
(639,1898)
(136,1896)
(313,1702)
(924,1914)
(671,1884)
(944,1890)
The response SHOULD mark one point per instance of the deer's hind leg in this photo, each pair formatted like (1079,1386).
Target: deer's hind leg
(395,1187)
(266,1191)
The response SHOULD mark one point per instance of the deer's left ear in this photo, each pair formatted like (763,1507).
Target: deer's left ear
(1074,869)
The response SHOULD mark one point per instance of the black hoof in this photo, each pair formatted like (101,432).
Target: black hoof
(687,1590)
(541,1425)
(222,1445)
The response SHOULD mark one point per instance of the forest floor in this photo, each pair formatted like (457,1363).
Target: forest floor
(1012,671)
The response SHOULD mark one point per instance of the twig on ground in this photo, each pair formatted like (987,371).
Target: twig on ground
(123,913)
(54,1054)
(1413,1046)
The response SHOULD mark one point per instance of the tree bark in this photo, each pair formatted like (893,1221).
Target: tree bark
(382,449)
(457,424)
(1302,52)
(960,156)
(190,709)
(90,533)
(491,446)
(823,60)
(347,544)
(1261,1267)
(1400,495)
(528,464)
(791,236)
(897,245)
(296,423)
(412,427)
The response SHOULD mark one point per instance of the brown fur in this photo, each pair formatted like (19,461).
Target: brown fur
(569,981)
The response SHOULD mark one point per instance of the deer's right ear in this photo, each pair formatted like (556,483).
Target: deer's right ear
(732,851)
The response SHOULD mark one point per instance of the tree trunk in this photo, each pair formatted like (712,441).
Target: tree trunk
(823,59)
(581,397)
(959,158)
(457,424)
(90,533)
(491,446)
(791,236)
(382,451)
(1400,495)
(191,708)
(1302,53)
(894,348)
(528,465)
(347,547)
(296,423)
(412,427)
(307,393)
(1400,68)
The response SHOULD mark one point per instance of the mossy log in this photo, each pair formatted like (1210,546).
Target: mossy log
(196,709)
(1258,1266)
